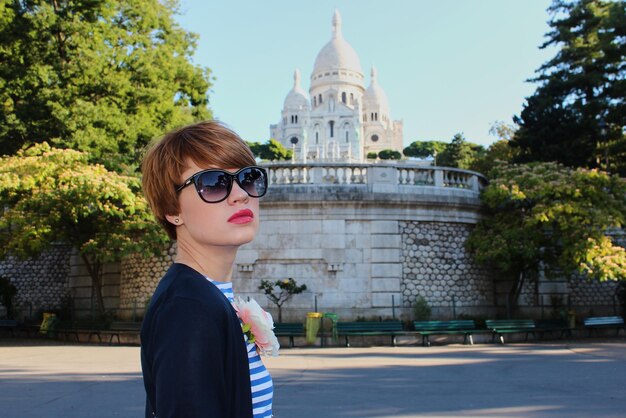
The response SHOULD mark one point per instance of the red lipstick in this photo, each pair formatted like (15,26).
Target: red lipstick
(240,217)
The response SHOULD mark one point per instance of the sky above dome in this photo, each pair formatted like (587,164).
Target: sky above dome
(447,66)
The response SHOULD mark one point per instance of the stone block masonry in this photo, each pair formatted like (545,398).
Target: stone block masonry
(41,282)
(437,267)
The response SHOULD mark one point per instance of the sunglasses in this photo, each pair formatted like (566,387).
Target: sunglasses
(214,186)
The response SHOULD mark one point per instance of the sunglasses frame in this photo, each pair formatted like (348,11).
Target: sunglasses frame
(193,179)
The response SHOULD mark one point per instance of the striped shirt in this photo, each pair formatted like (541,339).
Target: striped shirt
(260,379)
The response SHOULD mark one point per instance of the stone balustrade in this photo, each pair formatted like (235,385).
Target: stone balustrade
(390,174)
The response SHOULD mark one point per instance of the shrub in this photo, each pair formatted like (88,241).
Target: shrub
(421,309)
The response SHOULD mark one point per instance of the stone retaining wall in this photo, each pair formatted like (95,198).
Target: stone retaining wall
(436,266)
(42,282)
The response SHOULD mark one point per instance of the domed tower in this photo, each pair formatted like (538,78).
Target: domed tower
(379,131)
(291,131)
(336,93)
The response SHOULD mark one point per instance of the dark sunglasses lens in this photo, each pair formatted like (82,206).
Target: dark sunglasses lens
(253,181)
(213,186)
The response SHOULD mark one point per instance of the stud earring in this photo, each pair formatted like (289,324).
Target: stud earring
(176,220)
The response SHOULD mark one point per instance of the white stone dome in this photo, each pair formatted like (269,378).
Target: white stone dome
(337,53)
(297,98)
(375,95)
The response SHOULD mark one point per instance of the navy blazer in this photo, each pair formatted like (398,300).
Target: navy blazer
(193,355)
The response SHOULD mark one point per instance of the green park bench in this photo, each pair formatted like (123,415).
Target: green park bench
(8,325)
(391,328)
(544,326)
(603,322)
(289,329)
(499,327)
(118,328)
(465,327)
(67,329)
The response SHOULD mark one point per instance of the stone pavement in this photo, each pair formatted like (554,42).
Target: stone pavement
(569,379)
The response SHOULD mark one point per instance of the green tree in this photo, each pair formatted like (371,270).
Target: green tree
(272,150)
(459,153)
(51,195)
(499,151)
(389,154)
(372,155)
(423,149)
(550,215)
(287,288)
(102,76)
(577,114)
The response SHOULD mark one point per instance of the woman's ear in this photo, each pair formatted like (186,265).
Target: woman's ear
(175,220)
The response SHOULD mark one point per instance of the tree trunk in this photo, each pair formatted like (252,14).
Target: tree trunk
(95,271)
(514,293)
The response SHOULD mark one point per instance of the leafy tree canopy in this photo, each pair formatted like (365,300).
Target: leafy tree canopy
(101,76)
(388,154)
(578,113)
(287,288)
(499,151)
(51,195)
(547,213)
(459,153)
(423,149)
(272,150)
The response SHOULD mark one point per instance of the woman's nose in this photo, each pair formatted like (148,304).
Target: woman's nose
(237,194)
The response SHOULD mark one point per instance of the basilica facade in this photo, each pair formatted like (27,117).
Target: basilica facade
(339,119)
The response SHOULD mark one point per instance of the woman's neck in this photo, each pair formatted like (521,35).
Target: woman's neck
(213,262)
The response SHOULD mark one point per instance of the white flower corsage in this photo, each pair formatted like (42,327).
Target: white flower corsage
(258,326)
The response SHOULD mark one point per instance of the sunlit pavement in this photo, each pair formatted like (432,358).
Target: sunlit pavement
(574,379)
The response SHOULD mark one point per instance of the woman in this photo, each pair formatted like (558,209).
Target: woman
(203,187)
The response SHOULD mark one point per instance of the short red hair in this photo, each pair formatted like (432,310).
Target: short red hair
(207,144)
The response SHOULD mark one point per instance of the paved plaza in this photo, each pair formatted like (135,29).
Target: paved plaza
(573,379)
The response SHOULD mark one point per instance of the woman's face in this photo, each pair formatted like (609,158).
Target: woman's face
(231,222)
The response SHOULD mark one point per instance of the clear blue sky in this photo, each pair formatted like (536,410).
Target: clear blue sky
(447,66)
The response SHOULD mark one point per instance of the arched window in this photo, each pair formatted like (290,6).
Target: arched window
(296,118)
(347,136)
(343,97)
(331,125)
(351,98)
(314,101)
(317,137)
(320,98)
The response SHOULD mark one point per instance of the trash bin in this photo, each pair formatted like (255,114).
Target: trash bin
(333,324)
(47,323)
(313,320)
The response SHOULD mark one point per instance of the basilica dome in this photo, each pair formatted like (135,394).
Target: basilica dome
(375,95)
(297,97)
(337,53)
